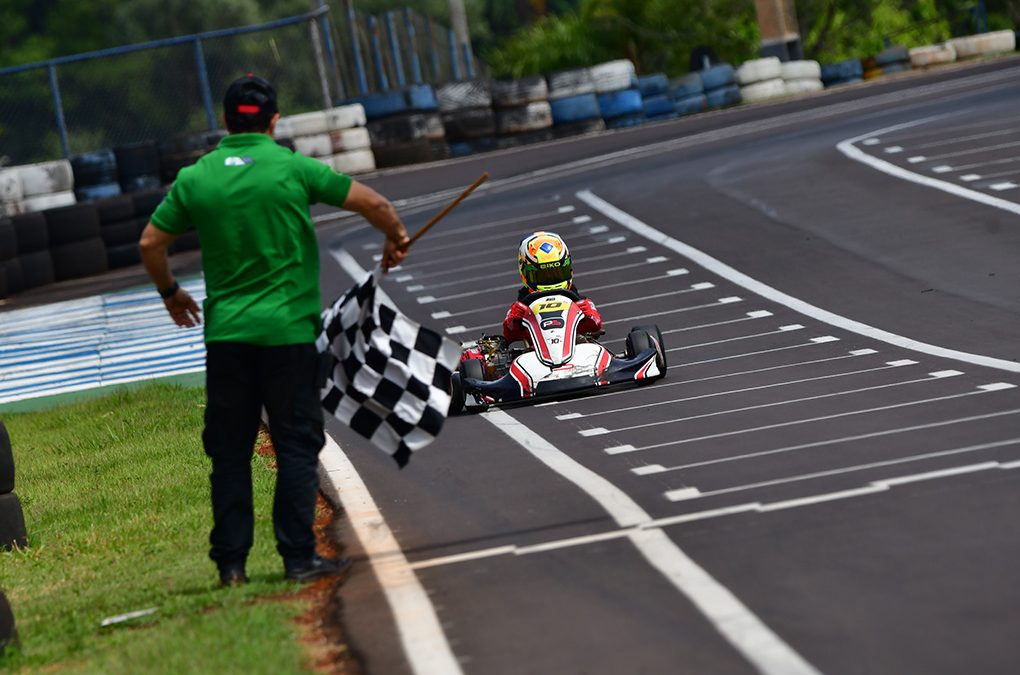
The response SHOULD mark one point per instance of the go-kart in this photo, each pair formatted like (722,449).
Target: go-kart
(556,361)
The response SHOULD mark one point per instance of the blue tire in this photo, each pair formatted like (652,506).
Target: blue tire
(94,168)
(663,117)
(421,97)
(575,109)
(653,85)
(895,68)
(625,121)
(691,105)
(849,80)
(382,105)
(688,85)
(723,97)
(465,148)
(621,104)
(717,77)
(842,71)
(658,105)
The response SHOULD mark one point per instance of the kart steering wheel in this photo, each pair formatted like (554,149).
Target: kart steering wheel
(532,297)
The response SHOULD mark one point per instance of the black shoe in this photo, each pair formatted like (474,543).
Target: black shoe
(233,575)
(318,567)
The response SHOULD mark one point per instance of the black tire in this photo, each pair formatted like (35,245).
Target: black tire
(30,230)
(579,128)
(402,154)
(137,166)
(514,93)
(11,278)
(146,202)
(12,523)
(124,255)
(118,234)
(6,461)
(456,396)
(529,118)
(70,224)
(527,138)
(171,165)
(8,240)
(469,123)
(406,129)
(36,269)
(115,210)
(8,632)
(94,168)
(80,259)
(653,331)
(465,94)
(574,82)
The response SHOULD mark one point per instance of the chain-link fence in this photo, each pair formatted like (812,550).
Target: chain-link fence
(157,90)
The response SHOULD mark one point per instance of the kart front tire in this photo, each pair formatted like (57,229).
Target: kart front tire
(457,395)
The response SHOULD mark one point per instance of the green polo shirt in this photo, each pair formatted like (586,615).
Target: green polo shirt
(249,201)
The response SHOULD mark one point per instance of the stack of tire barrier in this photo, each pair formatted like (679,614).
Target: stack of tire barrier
(573,103)
(76,241)
(95,175)
(469,120)
(895,59)
(849,71)
(31,265)
(985,44)
(761,79)
(619,96)
(524,116)
(688,94)
(656,98)
(138,166)
(405,126)
(720,84)
(10,266)
(800,77)
(36,187)
(120,229)
(12,518)
(337,137)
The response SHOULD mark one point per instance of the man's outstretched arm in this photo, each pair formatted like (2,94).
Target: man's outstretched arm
(153,247)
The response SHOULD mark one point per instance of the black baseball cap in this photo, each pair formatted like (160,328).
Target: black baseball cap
(249,101)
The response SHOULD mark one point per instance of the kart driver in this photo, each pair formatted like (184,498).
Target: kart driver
(544,262)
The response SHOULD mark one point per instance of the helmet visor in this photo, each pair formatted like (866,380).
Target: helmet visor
(548,275)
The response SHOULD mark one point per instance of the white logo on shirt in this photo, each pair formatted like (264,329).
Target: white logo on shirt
(237,161)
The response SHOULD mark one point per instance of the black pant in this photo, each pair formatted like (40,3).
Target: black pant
(241,379)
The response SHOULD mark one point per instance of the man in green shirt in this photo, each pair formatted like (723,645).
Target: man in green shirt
(248,199)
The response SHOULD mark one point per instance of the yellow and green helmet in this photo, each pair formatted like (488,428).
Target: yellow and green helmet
(544,261)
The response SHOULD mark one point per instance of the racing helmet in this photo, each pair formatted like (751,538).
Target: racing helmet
(544,261)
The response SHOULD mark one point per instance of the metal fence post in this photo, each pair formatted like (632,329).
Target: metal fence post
(469,61)
(415,61)
(203,83)
(433,51)
(320,64)
(328,38)
(454,63)
(359,62)
(373,30)
(398,59)
(58,110)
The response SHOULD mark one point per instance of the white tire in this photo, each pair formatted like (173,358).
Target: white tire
(801,70)
(45,178)
(345,117)
(50,201)
(759,70)
(763,91)
(932,55)
(284,129)
(305,124)
(984,44)
(10,186)
(319,145)
(614,76)
(350,139)
(464,94)
(803,85)
(357,161)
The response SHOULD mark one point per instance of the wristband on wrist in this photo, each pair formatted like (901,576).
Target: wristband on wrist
(168,293)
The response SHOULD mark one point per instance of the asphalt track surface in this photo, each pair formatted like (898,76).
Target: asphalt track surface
(801,493)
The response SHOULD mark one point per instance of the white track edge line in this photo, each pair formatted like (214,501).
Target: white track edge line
(755,286)
(731,618)
(425,645)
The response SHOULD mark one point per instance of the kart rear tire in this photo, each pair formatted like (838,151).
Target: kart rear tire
(471,369)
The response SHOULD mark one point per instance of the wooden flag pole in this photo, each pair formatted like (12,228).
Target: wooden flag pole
(449,207)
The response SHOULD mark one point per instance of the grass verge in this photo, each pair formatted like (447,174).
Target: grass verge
(116,498)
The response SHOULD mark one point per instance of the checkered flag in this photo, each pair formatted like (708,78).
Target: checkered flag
(389,378)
